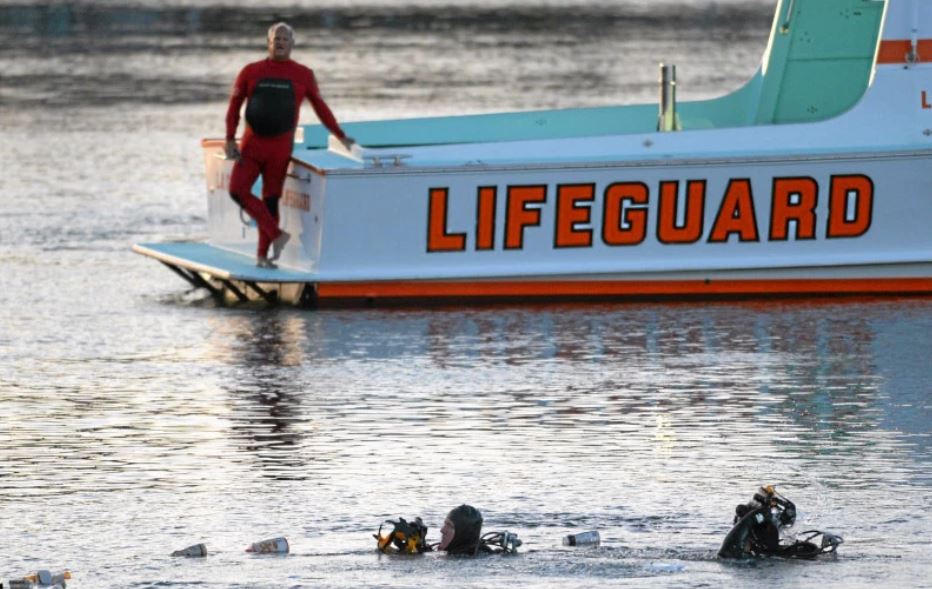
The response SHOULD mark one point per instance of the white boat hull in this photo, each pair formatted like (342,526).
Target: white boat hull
(826,223)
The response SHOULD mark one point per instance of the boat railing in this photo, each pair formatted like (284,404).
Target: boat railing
(385,160)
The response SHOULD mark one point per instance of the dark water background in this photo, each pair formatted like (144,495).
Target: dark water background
(137,418)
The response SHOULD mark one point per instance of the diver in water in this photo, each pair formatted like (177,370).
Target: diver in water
(758,526)
(461,530)
(461,534)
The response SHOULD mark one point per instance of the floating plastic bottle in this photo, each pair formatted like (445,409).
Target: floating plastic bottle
(272,546)
(582,539)
(194,551)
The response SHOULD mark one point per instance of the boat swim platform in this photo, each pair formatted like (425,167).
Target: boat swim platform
(227,275)
(233,278)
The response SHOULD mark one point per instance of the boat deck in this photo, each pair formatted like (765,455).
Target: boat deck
(832,140)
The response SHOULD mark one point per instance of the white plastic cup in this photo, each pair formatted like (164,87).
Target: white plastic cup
(273,546)
(194,551)
(582,539)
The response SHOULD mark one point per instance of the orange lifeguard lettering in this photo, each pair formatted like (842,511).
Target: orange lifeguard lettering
(625,225)
(861,188)
(438,239)
(485,218)
(223,179)
(794,199)
(667,229)
(570,214)
(925,100)
(518,216)
(736,213)
(296,200)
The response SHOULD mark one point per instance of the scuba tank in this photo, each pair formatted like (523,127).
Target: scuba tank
(411,538)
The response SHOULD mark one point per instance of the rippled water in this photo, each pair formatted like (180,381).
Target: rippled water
(137,418)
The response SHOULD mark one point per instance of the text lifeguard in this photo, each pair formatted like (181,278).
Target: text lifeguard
(627,214)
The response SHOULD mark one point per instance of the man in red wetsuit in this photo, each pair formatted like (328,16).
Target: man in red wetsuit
(273,89)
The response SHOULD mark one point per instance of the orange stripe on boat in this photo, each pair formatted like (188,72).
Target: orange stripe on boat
(896,51)
(608,288)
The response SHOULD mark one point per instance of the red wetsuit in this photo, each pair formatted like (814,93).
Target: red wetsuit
(275,91)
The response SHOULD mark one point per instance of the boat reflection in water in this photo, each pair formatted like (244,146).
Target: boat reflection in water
(595,377)
(266,414)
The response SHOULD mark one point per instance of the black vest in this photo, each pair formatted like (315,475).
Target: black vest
(271,108)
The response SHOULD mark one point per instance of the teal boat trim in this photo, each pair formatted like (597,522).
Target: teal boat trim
(817,65)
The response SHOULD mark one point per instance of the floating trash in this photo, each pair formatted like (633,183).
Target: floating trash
(43,578)
(194,551)
(272,546)
(583,539)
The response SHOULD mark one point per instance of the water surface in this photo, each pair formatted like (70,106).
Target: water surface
(137,417)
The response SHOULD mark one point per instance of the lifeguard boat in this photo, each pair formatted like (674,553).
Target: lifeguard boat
(814,178)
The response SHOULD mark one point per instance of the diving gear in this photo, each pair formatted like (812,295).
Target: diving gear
(828,543)
(499,542)
(271,109)
(468,539)
(467,527)
(768,496)
(405,537)
(757,525)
